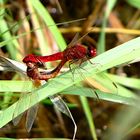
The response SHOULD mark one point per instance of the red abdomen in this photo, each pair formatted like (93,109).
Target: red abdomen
(35,58)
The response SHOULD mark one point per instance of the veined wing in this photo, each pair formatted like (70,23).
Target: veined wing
(31,113)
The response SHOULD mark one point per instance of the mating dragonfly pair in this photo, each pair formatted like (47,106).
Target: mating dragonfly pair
(73,53)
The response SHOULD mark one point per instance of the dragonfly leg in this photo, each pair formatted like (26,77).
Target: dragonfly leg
(72,69)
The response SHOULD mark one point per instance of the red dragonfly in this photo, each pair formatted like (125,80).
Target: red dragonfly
(71,53)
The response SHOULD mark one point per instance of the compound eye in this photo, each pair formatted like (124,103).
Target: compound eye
(91,52)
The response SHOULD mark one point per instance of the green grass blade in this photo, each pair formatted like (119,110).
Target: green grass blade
(117,98)
(101,42)
(129,82)
(40,9)
(88,114)
(102,96)
(134,3)
(11,46)
(15,86)
(40,35)
(112,87)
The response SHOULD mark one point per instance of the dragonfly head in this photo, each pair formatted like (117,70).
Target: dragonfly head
(91,52)
(33,59)
(29,58)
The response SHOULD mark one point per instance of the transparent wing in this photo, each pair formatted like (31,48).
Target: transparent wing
(77,72)
(16,119)
(11,65)
(74,40)
(31,113)
(98,81)
(31,116)
(59,103)
(77,39)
